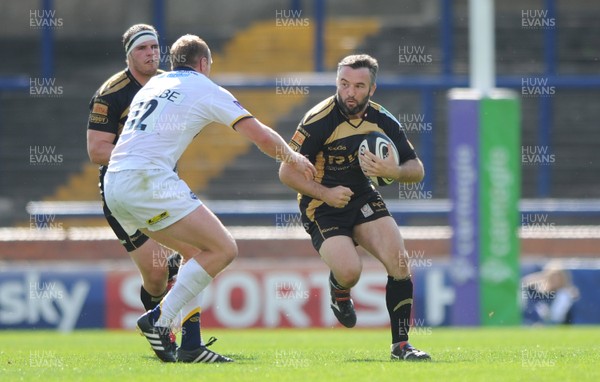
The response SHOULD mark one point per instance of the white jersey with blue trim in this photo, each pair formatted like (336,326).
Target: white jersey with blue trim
(166,115)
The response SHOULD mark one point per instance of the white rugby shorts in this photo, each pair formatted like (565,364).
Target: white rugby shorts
(152,199)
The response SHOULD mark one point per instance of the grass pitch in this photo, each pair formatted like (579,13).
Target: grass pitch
(473,354)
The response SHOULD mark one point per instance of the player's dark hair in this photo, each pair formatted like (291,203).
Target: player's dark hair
(135,29)
(357,61)
(188,50)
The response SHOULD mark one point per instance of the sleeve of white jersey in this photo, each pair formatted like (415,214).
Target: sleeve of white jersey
(226,109)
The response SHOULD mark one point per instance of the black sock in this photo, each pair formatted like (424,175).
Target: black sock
(398,298)
(334,282)
(149,301)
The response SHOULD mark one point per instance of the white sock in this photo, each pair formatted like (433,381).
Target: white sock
(194,305)
(191,280)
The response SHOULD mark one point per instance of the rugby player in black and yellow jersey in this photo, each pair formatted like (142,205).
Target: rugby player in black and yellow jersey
(109,108)
(108,112)
(341,208)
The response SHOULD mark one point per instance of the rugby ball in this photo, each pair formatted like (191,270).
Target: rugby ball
(377,143)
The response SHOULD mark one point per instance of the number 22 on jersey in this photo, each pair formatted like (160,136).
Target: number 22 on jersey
(145,114)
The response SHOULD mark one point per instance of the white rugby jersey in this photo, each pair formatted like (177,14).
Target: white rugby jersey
(166,114)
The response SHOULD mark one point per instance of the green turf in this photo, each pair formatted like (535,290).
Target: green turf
(499,354)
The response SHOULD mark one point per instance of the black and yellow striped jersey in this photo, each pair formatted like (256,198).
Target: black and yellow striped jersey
(110,104)
(331,141)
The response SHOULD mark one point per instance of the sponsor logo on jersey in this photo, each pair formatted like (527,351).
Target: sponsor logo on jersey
(238,105)
(157,218)
(100,108)
(379,206)
(298,137)
(99,119)
(99,113)
(180,73)
(341,159)
(338,148)
(294,146)
(303,131)
(366,210)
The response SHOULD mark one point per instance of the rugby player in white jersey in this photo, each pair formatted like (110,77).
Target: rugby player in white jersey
(143,161)
(108,114)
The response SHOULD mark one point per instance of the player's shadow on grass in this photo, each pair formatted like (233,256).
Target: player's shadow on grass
(365,360)
(153,358)
(235,357)
(384,360)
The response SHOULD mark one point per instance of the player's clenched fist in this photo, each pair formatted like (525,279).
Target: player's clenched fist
(338,196)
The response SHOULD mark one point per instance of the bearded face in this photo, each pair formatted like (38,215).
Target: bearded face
(354,89)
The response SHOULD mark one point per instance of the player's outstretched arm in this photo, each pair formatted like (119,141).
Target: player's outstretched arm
(337,197)
(271,143)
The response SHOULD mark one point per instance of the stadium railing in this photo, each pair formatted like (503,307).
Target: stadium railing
(269,211)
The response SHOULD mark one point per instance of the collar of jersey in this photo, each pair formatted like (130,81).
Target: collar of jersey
(183,68)
(362,119)
(132,78)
